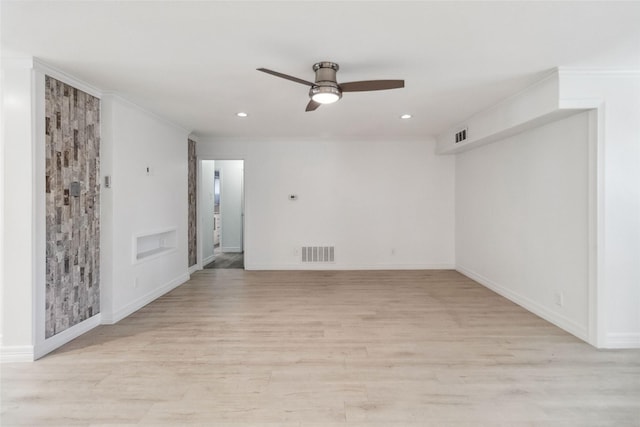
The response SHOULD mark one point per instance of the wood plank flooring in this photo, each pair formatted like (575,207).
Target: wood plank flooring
(369,348)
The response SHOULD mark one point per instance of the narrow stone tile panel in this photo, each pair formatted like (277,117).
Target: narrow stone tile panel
(72,146)
(193,168)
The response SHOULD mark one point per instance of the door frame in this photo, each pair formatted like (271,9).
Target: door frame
(201,197)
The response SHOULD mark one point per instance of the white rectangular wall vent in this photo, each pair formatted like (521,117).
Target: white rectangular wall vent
(461,135)
(318,254)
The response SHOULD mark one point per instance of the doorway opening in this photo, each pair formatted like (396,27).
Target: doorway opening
(222,213)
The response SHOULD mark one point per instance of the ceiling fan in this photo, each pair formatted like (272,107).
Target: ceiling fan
(326,89)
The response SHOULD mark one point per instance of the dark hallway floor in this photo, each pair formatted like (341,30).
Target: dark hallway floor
(227,260)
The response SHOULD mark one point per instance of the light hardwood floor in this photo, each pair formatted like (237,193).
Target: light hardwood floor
(383,348)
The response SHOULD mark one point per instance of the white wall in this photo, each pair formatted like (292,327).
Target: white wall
(613,99)
(141,203)
(207,206)
(382,204)
(18,207)
(231,204)
(617,94)
(522,223)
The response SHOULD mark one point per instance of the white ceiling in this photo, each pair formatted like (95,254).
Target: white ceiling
(194,62)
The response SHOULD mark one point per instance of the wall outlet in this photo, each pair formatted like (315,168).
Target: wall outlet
(135,282)
(393,251)
(559,297)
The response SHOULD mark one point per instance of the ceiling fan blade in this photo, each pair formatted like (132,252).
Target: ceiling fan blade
(285,76)
(312,105)
(367,85)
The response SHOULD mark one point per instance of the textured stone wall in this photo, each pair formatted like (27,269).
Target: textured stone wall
(72,120)
(193,168)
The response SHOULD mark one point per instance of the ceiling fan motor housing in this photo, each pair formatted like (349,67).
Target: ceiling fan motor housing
(326,72)
(326,82)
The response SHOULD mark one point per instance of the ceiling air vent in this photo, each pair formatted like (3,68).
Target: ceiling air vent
(461,135)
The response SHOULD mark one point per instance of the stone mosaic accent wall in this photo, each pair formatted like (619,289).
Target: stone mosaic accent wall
(72,120)
(193,172)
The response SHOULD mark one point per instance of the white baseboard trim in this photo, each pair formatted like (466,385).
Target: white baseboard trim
(208,260)
(622,340)
(137,304)
(16,354)
(194,268)
(230,249)
(330,266)
(60,339)
(532,306)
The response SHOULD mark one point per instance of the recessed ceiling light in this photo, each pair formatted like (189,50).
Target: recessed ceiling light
(241,114)
(405,116)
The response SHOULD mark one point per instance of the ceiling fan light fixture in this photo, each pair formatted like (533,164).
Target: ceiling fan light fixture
(325,98)
(325,94)
(326,90)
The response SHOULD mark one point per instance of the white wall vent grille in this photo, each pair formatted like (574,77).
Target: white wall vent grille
(461,135)
(318,254)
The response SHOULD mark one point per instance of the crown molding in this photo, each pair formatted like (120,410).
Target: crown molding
(598,71)
(122,99)
(65,77)
(306,139)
